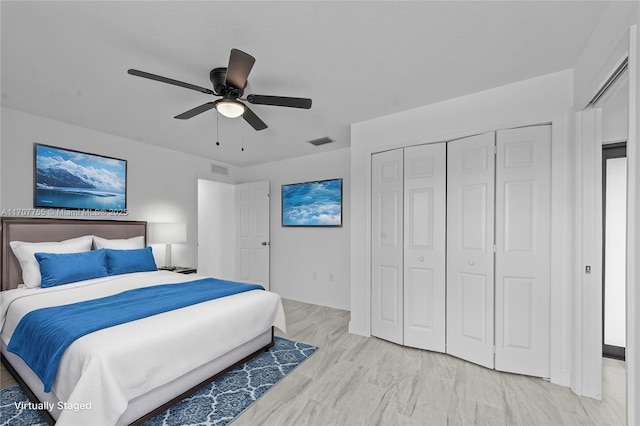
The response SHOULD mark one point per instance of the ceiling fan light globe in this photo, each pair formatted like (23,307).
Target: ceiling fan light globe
(230,109)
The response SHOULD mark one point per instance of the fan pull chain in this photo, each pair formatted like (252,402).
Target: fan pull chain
(217,128)
(242,130)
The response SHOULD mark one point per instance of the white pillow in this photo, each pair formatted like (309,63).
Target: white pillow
(128,244)
(25,254)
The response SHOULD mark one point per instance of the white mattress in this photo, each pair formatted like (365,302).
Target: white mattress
(113,366)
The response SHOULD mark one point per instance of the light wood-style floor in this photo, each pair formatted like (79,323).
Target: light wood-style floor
(353,380)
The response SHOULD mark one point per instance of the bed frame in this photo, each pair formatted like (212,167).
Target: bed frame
(33,230)
(157,400)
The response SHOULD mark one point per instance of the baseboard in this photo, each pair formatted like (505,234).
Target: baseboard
(360,329)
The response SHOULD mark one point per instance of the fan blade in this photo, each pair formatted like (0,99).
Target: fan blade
(251,118)
(282,101)
(195,111)
(150,76)
(240,65)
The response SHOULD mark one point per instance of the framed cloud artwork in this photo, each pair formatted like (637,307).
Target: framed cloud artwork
(317,203)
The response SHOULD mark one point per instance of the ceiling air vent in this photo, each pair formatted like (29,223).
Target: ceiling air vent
(220,170)
(321,141)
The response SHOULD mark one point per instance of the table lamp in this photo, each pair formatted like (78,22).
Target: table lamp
(168,233)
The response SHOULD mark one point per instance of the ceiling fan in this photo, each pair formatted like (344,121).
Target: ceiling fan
(229,83)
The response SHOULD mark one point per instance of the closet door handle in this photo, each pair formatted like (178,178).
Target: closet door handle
(421,259)
(471,262)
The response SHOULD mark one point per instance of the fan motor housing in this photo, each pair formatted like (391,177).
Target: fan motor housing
(218,77)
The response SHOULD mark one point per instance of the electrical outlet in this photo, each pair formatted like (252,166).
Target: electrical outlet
(587,269)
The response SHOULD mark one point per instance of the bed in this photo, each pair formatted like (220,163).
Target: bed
(127,373)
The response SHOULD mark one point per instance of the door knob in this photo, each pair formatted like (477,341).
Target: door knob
(421,259)
(471,262)
(266,243)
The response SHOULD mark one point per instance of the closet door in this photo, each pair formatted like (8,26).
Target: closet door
(470,232)
(387,192)
(424,246)
(523,197)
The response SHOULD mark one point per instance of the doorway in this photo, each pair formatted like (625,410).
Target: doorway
(233,230)
(614,208)
(216,229)
(611,241)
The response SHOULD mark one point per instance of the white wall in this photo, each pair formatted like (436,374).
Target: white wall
(1,116)
(633,225)
(544,99)
(308,264)
(161,183)
(633,230)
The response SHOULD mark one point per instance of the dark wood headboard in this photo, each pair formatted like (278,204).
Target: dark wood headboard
(35,230)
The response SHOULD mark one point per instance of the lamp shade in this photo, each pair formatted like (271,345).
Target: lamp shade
(168,232)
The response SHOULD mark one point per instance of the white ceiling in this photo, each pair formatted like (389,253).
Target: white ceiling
(358,60)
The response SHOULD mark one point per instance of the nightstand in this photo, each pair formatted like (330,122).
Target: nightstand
(179,269)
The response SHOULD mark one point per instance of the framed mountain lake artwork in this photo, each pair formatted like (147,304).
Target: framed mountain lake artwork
(69,179)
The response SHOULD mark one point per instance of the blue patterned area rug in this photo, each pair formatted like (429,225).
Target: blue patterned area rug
(216,404)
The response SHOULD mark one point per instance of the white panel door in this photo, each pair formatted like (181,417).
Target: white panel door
(252,230)
(424,246)
(386,245)
(522,274)
(470,234)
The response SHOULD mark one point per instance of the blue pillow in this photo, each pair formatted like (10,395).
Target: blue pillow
(65,268)
(128,261)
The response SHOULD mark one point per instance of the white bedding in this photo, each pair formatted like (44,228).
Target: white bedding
(112,366)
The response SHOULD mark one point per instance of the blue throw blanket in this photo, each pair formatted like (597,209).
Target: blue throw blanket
(43,335)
